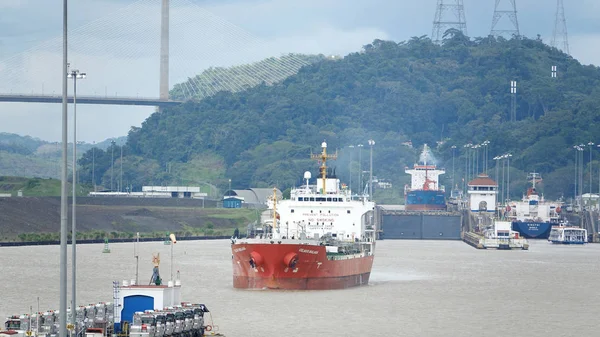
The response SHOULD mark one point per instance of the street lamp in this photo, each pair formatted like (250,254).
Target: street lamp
(121,178)
(112,163)
(371,143)
(350,167)
(75,75)
(485,155)
(591,144)
(497,158)
(467,160)
(453,149)
(360,146)
(94,166)
(598,179)
(508,155)
(62,319)
(230,184)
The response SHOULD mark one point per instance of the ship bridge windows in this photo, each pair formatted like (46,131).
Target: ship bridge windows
(348,211)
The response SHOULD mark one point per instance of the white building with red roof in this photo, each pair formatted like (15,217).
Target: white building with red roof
(482,193)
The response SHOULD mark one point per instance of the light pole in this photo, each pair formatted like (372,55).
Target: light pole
(350,167)
(508,155)
(467,160)
(503,178)
(121,178)
(591,144)
(453,149)
(581,149)
(598,181)
(112,163)
(496,178)
(485,155)
(229,184)
(371,143)
(62,319)
(75,75)
(94,166)
(360,146)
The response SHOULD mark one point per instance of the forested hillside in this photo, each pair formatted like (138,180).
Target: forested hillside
(417,91)
(25,156)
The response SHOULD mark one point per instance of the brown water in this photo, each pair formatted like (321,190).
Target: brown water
(417,288)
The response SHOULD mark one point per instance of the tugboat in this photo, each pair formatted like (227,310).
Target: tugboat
(151,310)
(319,239)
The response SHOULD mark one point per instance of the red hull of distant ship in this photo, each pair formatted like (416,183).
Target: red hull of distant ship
(311,270)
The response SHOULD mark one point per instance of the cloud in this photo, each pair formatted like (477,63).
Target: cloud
(116,42)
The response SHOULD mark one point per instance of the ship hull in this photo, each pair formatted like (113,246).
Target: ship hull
(271,267)
(568,242)
(425,200)
(532,229)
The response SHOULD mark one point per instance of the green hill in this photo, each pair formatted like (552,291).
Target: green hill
(25,156)
(443,95)
(30,187)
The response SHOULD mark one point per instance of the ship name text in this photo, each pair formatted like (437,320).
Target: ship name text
(308,251)
(241,249)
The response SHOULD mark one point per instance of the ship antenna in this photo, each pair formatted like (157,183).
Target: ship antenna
(323,157)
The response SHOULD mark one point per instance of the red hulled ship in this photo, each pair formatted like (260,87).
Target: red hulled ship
(320,238)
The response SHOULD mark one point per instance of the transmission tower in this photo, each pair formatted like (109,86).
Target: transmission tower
(560,38)
(442,21)
(509,10)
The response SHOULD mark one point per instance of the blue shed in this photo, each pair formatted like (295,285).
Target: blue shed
(232,202)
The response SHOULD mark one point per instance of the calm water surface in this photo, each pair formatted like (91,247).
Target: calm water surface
(417,288)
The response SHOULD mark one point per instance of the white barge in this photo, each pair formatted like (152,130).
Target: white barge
(499,235)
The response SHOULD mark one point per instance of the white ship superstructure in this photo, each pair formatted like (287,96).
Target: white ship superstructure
(327,207)
(424,176)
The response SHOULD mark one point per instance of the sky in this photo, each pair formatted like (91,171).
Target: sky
(116,42)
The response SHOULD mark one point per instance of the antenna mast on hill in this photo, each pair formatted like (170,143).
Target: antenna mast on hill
(560,38)
(509,10)
(441,22)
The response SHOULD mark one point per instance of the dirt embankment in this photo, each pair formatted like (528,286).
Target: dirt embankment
(144,215)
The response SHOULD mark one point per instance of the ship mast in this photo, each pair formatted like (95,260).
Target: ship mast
(323,157)
(426,184)
(274,208)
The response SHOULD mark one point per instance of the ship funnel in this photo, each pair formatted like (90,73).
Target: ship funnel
(323,145)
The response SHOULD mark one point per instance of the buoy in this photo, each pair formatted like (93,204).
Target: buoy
(106,249)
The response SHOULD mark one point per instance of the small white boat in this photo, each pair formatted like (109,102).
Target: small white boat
(568,235)
(501,236)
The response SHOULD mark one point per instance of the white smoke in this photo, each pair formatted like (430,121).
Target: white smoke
(427,157)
